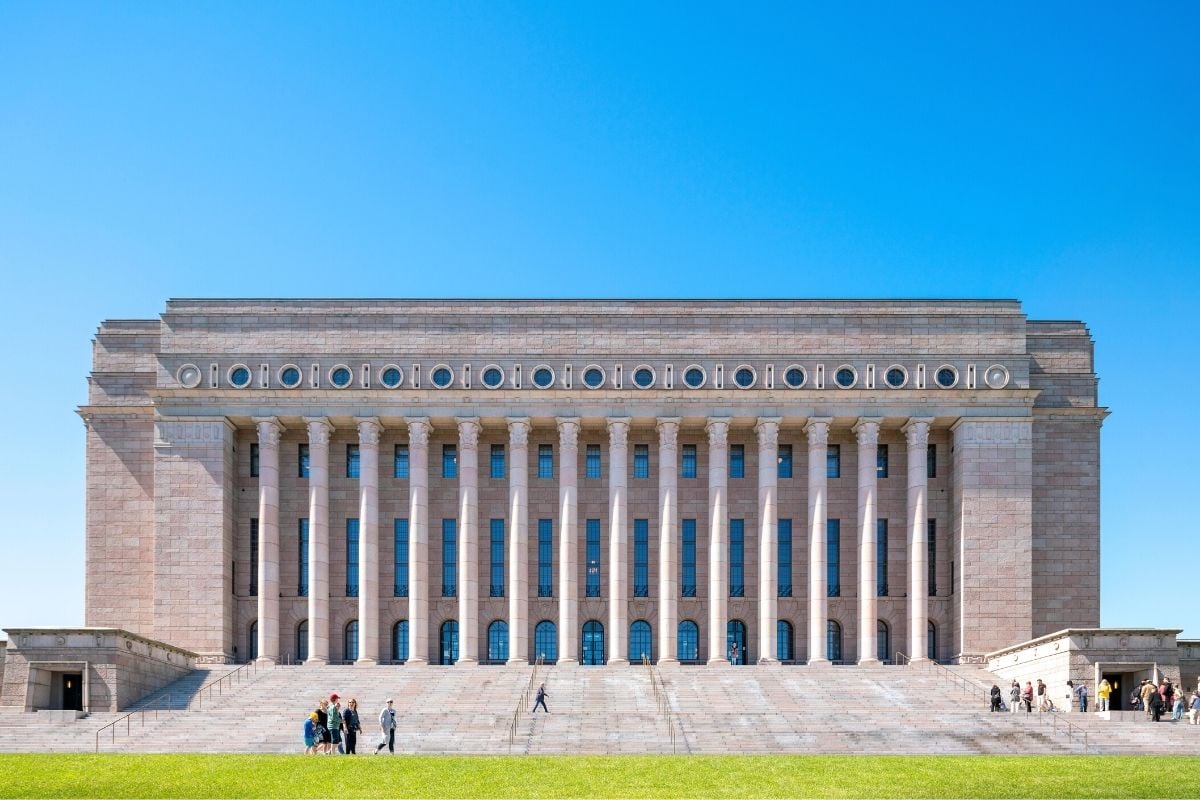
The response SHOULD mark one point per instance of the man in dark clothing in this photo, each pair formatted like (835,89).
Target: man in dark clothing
(351,726)
(995,697)
(541,699)
(1156,706)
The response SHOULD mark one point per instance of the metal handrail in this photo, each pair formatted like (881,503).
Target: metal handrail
(523,701)
(661,701)
(1068,729)
(127,719)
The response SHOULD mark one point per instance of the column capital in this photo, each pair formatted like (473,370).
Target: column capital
(668,432)
(817,430)
(717,429)
(767,429)
(369,430)
(618,431)
(568,431)
(269,430)
(319,429)
(418,430)
(867,430)
(468,432)
(916,430)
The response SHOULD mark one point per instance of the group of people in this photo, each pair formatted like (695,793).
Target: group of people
(331,729)
(1019,698)
(1156,700)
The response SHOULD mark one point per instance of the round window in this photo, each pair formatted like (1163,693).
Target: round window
(188,376)
(593,377)
(391,377)
(492,377)
(946,377)
(239,376)
(694,377)
(289,376)
(996,376)
(794,377)
(340,377)
(896,377)
(543,377)
(845,377)
(744,377)
(441,376)
(643,377)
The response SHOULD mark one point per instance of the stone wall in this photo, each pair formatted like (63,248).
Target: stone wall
(1189,663)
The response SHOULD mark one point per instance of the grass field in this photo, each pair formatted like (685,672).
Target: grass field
(331,778)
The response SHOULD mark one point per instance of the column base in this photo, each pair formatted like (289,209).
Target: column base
(869,662)
(568,662)
(767,662)
(366,662)
(517,662)
(719,662)
(919,661)
(819,662)
(266,661)
(618,662)
(417,662)
(467,662)
(668,662)
(316,662)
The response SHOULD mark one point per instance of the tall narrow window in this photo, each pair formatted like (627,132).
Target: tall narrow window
(350,641)
(545,558)
(254,459)
(352,461)
(253,556)
(302,461)
(784,635)
(449,558)
(351,557)
(881,461)
(883,641)
(737,558)
(688,646)
(497,461)
(593,461)
(498,642)
(400,641)
(687,584)
(881,557)
(833,641)
(302,642)
(785,461)
(931,635)
(785,558)
(545,461)
(833,555)
(641,558)
(545,641)
(449,461)
(400,558)
(688,463)
(931,461)
(593,558)
(737,461)
(497,553)
(641,461)
(833,461)
(302,558)
(400,464)
(931,556)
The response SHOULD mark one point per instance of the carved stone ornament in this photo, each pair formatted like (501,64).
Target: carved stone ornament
(468,434)
(369,431)
(718,433)
(568,433)
(668,433)
(867,433)
(269,431)
(618,432)
(418,433)
(818,433)
(916,433)
(768,433)
(518,431)
(319,431)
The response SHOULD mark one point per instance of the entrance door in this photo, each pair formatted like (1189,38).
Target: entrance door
(1122,684)
(72,691)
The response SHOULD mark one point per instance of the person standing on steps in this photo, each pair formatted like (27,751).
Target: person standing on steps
(1081,692)
(1147,690)
(1103,691)
(387,728)
(541,699)
(350,726)
(1028,697)
(995,695)
(1196,707)
(1014,698)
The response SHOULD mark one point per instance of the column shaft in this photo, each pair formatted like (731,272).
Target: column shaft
(468,541)
(369,431)
(319,432)
(568,538)
(768,550)
(668,540)
(867,431)
(718,544)
(269,431)
(817,430)
(518,541)
(418,540)
(618,539)
(917,434)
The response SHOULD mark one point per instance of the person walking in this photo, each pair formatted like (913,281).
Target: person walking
(1014,698)
(995,695)
(335,724)
(1082,693)
(1103,691)
(1196,707)
(540,700)
(1144,695)
(387,727)
(1156,704)
(351,726)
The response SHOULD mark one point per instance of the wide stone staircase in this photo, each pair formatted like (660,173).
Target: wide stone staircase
(917,709)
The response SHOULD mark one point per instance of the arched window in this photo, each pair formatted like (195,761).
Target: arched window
(400,641)
(640,642)
(351,641)
(593,643)
(252,650)
(498,641)
(448,642)
(883,639)
(735,642)
(545,641)
(833,640)
(784,647)
(689,641)
(302,641)
(931,634)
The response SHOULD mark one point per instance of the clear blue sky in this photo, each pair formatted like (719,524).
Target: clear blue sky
(1048,152)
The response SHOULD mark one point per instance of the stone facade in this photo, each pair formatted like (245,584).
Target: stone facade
(197,424)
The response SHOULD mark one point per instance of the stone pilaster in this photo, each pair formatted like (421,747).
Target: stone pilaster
(418,540)
(369,431)
(767,429)
(817,430)
(668,538)
(568,527)
(718,539)
(867,431)
(269,431)
(468,540)
(518,540)
(916,431)
(319,431)
(618,539)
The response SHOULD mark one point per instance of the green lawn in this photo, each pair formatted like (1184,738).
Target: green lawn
(334,778)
